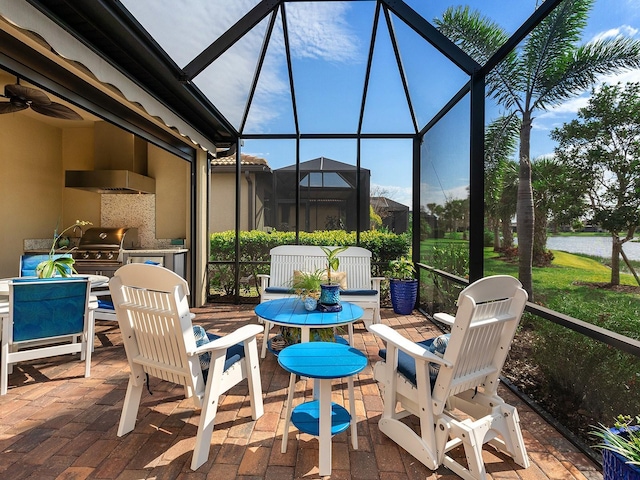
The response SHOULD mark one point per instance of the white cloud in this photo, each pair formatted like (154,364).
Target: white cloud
(625,30)
(393,192)
(555,116)
(434,194)
(317,30)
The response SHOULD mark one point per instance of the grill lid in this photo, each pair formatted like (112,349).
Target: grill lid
(109,238)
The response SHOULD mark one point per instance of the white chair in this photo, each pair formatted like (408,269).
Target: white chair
(454,393)
(47,317)
(154,318)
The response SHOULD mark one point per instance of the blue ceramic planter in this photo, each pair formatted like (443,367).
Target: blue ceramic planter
(330,294)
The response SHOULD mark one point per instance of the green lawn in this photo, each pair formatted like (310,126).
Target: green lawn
(568,286)
(573,285)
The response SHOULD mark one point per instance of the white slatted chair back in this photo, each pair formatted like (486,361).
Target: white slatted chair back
(153,313)
(285,259)
(488,315)
(154,318)
(463,406)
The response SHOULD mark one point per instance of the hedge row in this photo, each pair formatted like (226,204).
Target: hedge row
(256,244)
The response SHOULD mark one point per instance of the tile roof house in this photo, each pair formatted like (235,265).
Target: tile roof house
(255,188)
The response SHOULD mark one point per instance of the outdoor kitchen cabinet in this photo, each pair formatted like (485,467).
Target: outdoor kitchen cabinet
(175,259)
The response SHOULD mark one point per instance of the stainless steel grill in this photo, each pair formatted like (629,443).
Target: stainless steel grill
(100,249)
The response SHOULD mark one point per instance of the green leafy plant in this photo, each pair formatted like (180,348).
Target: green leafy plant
(402,269)
(62,266)
(623,439)
(333,262)
(307,284)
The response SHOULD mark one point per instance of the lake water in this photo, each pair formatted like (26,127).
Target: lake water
(599,246)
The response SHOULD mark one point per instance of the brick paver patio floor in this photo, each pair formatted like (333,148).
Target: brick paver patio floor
(55,424)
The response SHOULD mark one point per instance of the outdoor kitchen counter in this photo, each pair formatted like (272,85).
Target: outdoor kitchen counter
(146,251)
(175,259)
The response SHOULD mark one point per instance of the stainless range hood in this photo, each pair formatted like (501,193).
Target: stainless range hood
(109,181)
(120,164)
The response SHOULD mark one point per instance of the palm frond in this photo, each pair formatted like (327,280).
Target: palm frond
(480,37)
(501,139)
(577,71)
(556,37)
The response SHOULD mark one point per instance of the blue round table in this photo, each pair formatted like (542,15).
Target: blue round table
(323,361)
(290,312)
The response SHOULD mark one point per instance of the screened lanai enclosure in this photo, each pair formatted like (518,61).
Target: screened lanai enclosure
(372,85)
(345,101)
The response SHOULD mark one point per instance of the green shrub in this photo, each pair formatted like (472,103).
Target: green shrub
(605,380)
(255,246)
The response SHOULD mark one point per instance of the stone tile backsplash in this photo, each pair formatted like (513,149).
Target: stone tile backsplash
(133,210)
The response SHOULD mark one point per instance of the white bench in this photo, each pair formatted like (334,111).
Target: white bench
(362,289)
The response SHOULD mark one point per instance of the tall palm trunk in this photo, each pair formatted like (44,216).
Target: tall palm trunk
(525,220)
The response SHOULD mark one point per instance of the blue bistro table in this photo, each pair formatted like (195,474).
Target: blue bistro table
(321,417)
(290,312)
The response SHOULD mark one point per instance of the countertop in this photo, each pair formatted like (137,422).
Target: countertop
(145,251)
(140,251)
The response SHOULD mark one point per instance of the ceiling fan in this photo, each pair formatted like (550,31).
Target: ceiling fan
(21,98)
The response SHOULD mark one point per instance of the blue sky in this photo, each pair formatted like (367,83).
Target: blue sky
(329,43)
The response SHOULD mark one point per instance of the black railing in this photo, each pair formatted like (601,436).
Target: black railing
(620,342)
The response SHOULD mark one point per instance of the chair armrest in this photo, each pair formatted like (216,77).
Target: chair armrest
(407,346)
(375,283)
(264,280)
(222,343)
(444,318)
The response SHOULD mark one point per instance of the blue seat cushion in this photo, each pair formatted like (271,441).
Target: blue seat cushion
(29,263)
(285,290)
(407,365)
(106,304)
(362,292)
(234,353)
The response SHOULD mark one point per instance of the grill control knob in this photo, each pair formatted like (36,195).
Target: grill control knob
(98,255)
(110,256)
(85,254)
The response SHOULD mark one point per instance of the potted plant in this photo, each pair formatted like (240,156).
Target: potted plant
(57,265)
(307,287)
(620,447)
(330,292)
(403,285)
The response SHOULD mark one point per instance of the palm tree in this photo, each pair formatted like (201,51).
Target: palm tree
(500,142)
(556,199)
(549,68)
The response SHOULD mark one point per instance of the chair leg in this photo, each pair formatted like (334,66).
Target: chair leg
(88,337)
(513,436)
(4,370)
(253,378)
(130,407)
(265,338)
(209,409)
(472,435)
(352,411)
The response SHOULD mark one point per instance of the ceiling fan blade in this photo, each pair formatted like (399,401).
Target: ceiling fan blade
(8,107)
(56,110)
(27,93)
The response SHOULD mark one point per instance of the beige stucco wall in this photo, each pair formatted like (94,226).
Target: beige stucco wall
(222,213)
(77,154)
(30,185)
(172,192)
(33,158)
